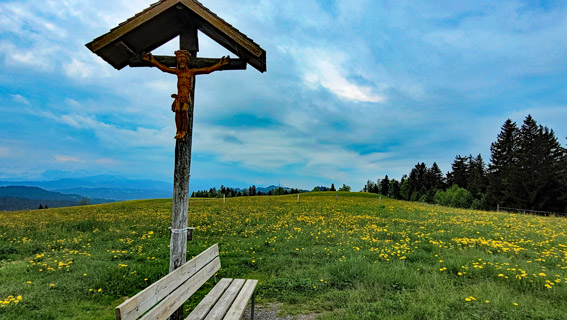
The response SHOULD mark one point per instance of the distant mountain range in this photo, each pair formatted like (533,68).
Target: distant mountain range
(111,187)
(25,198)
(57,188)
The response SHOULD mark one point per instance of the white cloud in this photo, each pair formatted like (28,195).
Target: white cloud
(330,76)
(323,69)
(268,150)
(78,69)
(162,85)
(37,58)
(72,102)
(20,18)
(20,99)
(106,161)
(62,158)
(5,152)
(116,136)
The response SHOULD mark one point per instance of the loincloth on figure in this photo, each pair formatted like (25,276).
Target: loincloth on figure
(180,103)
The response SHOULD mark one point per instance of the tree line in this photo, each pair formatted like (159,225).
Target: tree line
(235,192)
(252,191)
(527,170)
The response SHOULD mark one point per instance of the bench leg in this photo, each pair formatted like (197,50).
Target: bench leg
(252,310)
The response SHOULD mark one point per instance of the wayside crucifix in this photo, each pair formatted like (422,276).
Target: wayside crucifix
(129,44)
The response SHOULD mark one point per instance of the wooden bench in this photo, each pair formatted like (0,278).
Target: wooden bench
(227,300)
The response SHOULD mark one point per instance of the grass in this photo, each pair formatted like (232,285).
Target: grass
(345,258)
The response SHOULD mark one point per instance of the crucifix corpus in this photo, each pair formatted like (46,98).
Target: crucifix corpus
(129,44)
(185,76)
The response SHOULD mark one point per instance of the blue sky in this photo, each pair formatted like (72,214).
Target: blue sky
(354,90)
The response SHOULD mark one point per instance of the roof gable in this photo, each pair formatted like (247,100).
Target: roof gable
(165,20)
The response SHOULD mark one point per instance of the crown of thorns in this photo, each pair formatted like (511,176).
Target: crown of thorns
(182,53)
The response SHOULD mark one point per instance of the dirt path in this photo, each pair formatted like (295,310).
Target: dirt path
(270,312)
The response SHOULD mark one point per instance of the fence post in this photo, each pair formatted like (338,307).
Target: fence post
(380,199)
(298,198)
(498,207)
(223,198)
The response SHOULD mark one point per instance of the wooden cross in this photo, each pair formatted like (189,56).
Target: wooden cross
(127,44)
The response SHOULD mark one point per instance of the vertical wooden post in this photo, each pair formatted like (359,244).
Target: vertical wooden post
(223,198)
(298,198)
(380,199)
(178,242)
(498,207)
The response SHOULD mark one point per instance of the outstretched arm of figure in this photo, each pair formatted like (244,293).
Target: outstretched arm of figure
(223,61)
(149,57)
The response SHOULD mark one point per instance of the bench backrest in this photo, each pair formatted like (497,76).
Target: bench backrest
(162,298)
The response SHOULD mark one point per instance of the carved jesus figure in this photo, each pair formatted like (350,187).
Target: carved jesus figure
(184,85)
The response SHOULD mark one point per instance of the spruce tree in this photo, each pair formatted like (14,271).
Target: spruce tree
(434,181)
(436,177)
(385,186)
(460,172)
(502,160)
(404,189)
(563,182)
(477,181)
(395,189)
(416,182)
(535,179)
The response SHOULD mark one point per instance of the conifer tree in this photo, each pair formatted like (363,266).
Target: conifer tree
(535,179)
(459,172)
(385,186)
(434,181)
(416,182)
(502,160)
(477,181)
(395,189)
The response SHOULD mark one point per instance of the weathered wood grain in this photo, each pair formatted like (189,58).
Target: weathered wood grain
(237,309)
(224,303)
(201,311)
(135,306)
(171,61)
(167,306)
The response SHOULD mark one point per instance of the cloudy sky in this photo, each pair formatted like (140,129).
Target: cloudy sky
(354,90)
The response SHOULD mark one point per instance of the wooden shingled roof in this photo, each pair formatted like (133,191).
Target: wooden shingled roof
(165,20)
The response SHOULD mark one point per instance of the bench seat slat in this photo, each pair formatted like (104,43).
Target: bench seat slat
(134,307)
(176,299)
(237,309)
(203,308)
(227,300)
(224,303)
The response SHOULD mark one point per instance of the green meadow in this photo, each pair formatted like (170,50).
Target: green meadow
(351,257)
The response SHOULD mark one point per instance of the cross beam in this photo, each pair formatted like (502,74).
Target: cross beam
(170,61)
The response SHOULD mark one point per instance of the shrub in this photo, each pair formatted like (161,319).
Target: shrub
(454,197)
